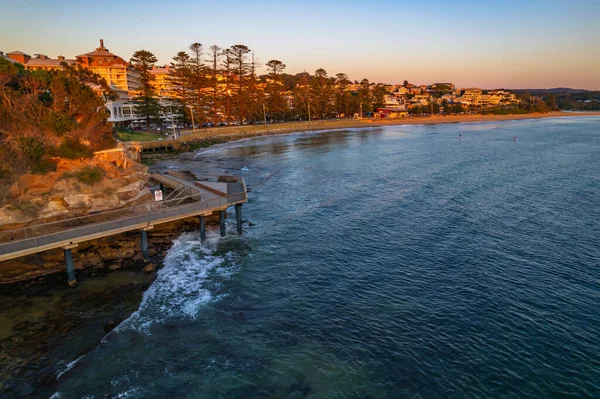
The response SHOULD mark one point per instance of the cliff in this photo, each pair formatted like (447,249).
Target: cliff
(111,179)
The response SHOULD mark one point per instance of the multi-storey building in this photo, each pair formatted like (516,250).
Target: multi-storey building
(115,70)
(162,85)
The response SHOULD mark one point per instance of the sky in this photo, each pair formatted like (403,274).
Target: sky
(483,43)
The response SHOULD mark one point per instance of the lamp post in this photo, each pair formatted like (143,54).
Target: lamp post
(264,114)
(228,105)
(193,123)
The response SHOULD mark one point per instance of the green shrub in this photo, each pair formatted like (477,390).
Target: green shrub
(58,123)
(32,147)
(88,175)
(43,167)
(72,149)
(27,208)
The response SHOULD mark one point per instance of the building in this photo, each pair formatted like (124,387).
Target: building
(6,57)
(471,96)
(474,96)
(115,70)
(162,85)
(19,57)
(421,99)
(389,113)
(390,101)
(40,61)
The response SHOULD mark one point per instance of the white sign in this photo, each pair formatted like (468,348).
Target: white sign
(158,195)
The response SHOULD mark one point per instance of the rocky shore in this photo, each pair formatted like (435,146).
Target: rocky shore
(43,321)
(44,324)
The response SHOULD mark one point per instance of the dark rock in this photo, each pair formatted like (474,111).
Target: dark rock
(150,267)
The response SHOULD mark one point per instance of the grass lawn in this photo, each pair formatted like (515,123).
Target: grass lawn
(139,136)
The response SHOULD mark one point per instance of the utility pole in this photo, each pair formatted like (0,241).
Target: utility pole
(360,116)
(264,114)
(308,112)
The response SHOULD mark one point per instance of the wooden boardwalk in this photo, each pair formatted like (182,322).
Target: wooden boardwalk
(200,199)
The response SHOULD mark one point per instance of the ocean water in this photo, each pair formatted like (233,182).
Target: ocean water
(380,263)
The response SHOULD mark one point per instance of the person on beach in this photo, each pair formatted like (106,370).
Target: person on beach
(460,136)
(515,139)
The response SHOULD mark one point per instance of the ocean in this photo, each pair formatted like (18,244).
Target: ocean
(379,263)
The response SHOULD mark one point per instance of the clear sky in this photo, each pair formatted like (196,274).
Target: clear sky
(483,43)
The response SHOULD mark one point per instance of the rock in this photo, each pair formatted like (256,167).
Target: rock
(15,191)
(56,206)
(150,267)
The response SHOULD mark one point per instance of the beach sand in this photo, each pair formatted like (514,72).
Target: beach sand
(235,132)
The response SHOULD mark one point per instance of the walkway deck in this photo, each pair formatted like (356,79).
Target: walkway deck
(198,201)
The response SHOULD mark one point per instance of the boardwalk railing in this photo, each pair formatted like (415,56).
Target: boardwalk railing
(187,203)
(39,238)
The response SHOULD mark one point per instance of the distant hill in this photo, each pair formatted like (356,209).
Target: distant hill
(565,98)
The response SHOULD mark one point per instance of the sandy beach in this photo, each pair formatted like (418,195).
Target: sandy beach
(235,132)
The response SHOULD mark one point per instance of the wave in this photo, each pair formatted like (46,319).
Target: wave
(179,289)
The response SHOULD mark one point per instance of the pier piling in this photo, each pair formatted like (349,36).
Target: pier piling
(70,267)
(222,222)
(202,229)
(238,217)
(145,251)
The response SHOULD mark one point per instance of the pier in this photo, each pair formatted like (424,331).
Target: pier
(186,195)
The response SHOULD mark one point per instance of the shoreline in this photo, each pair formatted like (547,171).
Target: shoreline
(221,135)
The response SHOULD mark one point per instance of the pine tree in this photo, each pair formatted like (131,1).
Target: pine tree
(276,102)
(199,81)
(302,97)
(215,55)
(321,94)
(148,107)
(239,59)
(342,95)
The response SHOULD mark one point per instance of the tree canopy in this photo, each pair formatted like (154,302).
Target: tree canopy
(48,113)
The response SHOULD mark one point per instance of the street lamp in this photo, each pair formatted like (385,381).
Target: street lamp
(192,111)
(228,105)
(264,114)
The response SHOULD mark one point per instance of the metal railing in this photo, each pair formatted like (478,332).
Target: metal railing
(41,235)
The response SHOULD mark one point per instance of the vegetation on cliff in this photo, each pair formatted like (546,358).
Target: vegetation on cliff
(45,114)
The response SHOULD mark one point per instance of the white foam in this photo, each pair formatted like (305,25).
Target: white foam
(69,366)
(178,290)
